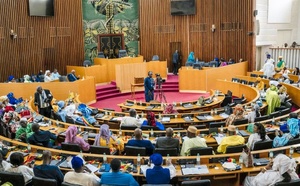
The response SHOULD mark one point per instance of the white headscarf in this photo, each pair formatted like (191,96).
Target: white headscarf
(283,164)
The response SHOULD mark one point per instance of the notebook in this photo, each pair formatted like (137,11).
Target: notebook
(260,161)
(243,133)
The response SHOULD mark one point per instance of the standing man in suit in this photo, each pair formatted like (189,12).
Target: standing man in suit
(168,141)
(149,87)
(72,76)
(175,62)
(42,100)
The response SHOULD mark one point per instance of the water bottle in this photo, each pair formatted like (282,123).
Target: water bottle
(159,115)
(222,129)
(168,162)
(138,162)
(241,161)
(28,147)
(273,121)
(236,131)
(142,115)
(271,155)
(198,159)
(135,102)
(104,158)
(120,132)
(211,112)
(151,132)
(291,152)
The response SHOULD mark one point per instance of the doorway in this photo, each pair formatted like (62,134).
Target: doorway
(174,46)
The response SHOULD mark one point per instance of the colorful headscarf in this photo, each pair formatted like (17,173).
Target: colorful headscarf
(71,134)
(11,77)
(169,109)
(105,133)
(238,110)
(151,119)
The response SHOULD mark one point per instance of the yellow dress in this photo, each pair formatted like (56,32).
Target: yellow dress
(117,144)
(260,85)
(230,141)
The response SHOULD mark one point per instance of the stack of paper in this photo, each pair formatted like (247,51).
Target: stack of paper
(165,119)
(201,169)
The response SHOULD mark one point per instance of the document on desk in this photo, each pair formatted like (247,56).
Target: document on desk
(219,139)
(209,117)
(224,115)
(198,169)
(165,119)
(92,167)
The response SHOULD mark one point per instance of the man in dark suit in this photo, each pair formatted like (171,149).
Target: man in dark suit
(149,87)
(42,99)
(72,76)
(175,62)
(140,142)
(168,141)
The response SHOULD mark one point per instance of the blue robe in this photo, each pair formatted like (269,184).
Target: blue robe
(149,88)
(190,60)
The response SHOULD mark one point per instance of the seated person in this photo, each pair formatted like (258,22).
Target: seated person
(47,76)
(71,110)
(105,139)
(27,79)
(282,93)
(48,171)
(17,160)
(238,113)
(61,112)
(86,112)
(24,131)
(255,112)
(55,75)
(132,119)
(272,97)
(168,141)
(258,135)
(223,63)
(151,121)
(81,175)
(169,109)
(281,169)
(140,142)
(71,137)
(3,164)
(260,85)
(285,71)
(231,140)
(72,76)
(159,175)
(41,137)
(191,141)
(115,177)
(191,59)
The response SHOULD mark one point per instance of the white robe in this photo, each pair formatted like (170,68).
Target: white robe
(268,69)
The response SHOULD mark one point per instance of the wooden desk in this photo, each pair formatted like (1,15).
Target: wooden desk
(277,75)
(60,90)
(193,80)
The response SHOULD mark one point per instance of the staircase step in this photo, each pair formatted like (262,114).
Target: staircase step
(106,87)
(107,96)
(113,91)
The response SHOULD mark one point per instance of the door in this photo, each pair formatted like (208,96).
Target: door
(174,46)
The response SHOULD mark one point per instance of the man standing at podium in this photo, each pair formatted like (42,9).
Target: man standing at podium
(175,62)
(149,87)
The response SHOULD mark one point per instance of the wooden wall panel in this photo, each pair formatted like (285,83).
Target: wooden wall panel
(233,19)
(42,42)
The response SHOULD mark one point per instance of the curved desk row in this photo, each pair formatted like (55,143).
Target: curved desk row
(217,174)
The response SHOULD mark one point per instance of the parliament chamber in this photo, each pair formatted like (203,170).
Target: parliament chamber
(190,115)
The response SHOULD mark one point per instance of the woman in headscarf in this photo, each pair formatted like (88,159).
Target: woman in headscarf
(281,169)
(282,93)
(223,62)
(104,138)
(255,112)
(61,112)
(27,79)
(47,77)
(258,135)
(71,137)
(238,113)
(260,85)
(272,97)
(191,59)
(151,121)
(169,109)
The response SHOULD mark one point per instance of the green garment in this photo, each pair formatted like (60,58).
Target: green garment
(273,101)
(26,130)
(280,64)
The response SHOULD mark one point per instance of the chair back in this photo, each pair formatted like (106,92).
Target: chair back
(253,75)
(294,141)
(63,79)
(235,80)
(275,114)
(134,151)
(261,145)
(285,111)
(133,127)
(70,120)
(69,184)
(240,121)
(205,182)
(291,183)
(13,178)
(70,147)
(235,149)
(166,151)
(201,151)
(262,118)
(99,150)
(217,124)
(200,126)
(37,181)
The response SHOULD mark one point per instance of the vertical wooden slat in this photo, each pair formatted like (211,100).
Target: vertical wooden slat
(26,53)
(234,43)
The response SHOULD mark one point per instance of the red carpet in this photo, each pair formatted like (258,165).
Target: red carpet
(171,97)
(109,97)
